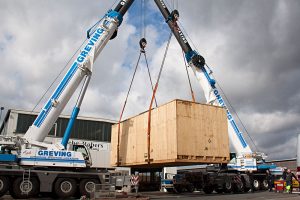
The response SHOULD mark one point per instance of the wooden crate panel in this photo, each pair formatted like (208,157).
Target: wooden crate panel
(182,133)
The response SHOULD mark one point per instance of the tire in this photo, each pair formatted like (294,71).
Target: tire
(256,184)
(87,186)
(177,189)
(264,185)
(208,189)
(4,185)
(228,187)
(24,189)
(239,187)
(190,188)
(65,187)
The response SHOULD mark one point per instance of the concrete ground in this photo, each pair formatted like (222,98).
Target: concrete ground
(197,195)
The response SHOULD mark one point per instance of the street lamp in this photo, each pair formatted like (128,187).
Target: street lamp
(2,108)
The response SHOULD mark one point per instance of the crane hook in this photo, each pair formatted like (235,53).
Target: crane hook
(143,44)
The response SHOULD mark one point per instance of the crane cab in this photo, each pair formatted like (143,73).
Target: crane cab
(84,151)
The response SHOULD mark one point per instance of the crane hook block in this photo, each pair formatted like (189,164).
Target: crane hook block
(175,15)
(143,44)
(198,61)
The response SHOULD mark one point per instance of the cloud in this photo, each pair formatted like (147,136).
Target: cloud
(252,47)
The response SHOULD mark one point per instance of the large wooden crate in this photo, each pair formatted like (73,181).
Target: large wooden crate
(182,133)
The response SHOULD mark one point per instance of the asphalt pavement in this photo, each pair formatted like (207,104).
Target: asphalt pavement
(197,195)
(264,195)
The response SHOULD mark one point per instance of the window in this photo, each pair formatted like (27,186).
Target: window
(81,149)
(24,121)
(82,129)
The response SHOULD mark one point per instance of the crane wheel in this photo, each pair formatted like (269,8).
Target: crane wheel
(256,184)
(87,186)
(190,188)
(178,189)
(228,186)
(238,187)
(65,187)
(264,184)
(23,189)
(4,185)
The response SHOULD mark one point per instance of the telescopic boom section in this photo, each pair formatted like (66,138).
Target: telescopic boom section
(81,67)
(123,6)
(197,63)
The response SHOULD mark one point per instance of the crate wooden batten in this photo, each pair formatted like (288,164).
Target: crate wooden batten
(182,133)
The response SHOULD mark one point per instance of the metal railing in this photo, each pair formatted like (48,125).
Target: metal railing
(103,191)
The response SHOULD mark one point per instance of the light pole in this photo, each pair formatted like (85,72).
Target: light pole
(2,108)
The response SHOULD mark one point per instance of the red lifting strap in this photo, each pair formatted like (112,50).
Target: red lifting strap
(152,99)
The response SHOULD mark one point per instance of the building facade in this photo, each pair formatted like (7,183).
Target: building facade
(95,133)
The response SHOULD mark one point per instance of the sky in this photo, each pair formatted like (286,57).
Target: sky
(253,48)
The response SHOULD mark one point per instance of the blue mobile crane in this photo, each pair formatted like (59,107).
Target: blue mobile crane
(30,166)
(233,176)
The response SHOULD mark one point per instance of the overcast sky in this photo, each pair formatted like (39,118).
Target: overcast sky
(253,47)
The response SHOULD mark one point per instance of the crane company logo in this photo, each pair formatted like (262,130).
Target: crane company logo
(222,103)
(230,119)
(55,153)
(89,45)
(81,57)
(27,152)
(123,2)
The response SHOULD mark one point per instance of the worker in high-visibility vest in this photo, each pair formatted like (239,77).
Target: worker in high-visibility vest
(288,179)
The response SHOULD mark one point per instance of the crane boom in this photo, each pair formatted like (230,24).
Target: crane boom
(197,63)
(81,67)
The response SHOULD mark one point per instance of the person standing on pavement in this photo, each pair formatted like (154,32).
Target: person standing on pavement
(284,173)
(288,180)
(270,179)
